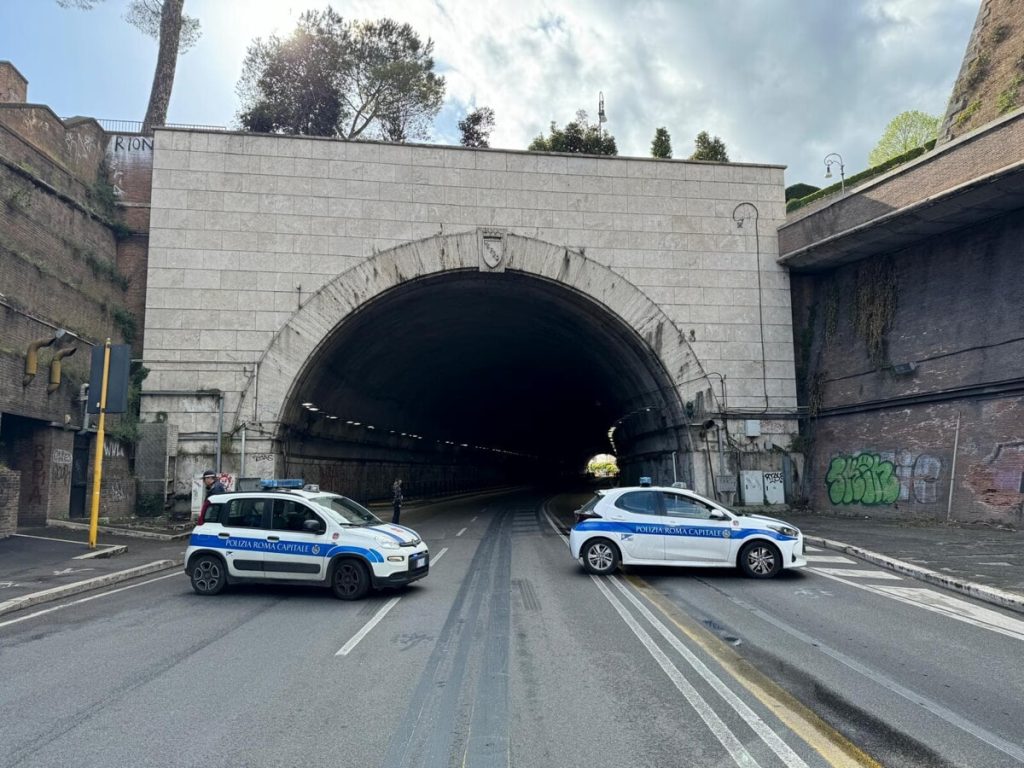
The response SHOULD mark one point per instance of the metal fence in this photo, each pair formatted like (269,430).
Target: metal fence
(135,126)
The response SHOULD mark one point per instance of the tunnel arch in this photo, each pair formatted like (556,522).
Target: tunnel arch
(434,348)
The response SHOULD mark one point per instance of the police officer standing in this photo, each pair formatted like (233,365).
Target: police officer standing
(396,491)
(212,483)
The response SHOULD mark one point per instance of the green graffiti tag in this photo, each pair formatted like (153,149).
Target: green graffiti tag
(862,479)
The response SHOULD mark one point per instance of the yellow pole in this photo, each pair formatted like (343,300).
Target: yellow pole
(97,467)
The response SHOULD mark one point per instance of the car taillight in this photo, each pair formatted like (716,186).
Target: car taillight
(582,517)
(202,512)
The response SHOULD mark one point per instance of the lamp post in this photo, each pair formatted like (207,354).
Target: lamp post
(834,158)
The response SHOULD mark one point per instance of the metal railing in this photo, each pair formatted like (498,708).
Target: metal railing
(135,126)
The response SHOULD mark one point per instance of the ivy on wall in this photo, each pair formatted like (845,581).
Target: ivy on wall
(875,298)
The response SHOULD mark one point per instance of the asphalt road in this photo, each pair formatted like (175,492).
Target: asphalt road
(508,654)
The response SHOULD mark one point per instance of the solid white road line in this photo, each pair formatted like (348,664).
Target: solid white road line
(347,648)
(718,728)
(829,559)
(759,726)
(87,599)
(461,532)
(50,538)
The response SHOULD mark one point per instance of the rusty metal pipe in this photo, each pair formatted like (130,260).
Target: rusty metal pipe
(54,384)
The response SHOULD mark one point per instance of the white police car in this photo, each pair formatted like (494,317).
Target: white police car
(672,526)
(295,534)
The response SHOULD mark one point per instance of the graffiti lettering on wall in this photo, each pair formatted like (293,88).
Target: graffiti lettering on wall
(112,449)
(118,489)
(883,477)
(61,461)
(862,479)
(132,144)
(258,457)
(125,153)
(998,479)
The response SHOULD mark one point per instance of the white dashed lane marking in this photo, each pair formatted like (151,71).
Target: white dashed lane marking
(830,559)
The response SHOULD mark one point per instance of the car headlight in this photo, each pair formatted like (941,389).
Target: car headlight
(785,530)
(387,543)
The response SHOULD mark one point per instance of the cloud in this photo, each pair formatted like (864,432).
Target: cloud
(783,82)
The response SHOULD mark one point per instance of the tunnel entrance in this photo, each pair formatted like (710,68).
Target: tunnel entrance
(429,364)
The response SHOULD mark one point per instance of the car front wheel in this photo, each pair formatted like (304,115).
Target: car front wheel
(350,580)
(760,560)
(600,557)
(208,575)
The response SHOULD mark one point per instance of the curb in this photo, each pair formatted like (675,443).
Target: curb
(114,531)
(112,551)
(65,590)
(991,595)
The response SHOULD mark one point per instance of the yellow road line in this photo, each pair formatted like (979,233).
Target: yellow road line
(819,735)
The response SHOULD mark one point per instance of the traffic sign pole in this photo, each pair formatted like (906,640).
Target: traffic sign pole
(97,469)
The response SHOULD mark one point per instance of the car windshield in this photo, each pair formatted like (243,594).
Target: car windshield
(348,510)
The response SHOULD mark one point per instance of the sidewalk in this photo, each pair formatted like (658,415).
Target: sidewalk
(984,562)
(46,563)
(42,564)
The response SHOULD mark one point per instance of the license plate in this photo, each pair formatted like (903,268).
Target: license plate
(418,561)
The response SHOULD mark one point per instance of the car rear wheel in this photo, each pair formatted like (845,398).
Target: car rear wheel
(760,560)
(208,575)
(350,580)
(600,557)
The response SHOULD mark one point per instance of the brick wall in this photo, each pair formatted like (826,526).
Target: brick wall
(10,487)
(13,85)
(64,263)
(958,321)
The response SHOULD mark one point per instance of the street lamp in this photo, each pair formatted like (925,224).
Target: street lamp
(834,158)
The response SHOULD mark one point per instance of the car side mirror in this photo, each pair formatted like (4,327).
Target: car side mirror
(312,526)
(716,515)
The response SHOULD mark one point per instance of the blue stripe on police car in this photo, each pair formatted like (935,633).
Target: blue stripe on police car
(303,548)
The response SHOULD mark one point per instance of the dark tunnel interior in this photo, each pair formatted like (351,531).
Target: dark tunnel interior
(477,366)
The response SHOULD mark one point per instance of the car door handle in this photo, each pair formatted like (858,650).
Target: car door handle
(224,535)
(273,538)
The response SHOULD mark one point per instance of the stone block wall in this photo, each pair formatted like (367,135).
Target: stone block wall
(244,227)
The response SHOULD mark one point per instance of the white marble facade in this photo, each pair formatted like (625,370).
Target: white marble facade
(244,230)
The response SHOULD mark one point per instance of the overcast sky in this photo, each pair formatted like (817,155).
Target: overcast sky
(780,81)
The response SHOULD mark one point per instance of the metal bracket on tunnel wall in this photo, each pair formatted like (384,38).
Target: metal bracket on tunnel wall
(492,250)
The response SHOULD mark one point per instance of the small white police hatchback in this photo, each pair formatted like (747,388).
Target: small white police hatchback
(294,534)
(671,526)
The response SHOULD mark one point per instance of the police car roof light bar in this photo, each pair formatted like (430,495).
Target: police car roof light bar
(288,483)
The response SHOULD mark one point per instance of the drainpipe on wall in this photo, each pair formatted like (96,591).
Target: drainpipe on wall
(220,429)
(83,398)
(952,471)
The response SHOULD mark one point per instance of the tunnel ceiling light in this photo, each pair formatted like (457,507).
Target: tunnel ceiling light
(357,423)
(307,405)
(370,426)
(313,408)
